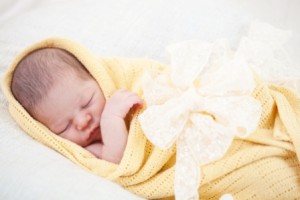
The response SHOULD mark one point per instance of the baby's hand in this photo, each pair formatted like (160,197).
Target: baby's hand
(113,128)
(119,104)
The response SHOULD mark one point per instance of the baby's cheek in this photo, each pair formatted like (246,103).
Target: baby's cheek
(71,136)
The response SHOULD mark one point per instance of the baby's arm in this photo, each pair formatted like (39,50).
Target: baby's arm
(113,128)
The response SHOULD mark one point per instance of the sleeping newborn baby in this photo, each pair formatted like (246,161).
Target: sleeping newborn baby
(54,87)
(88,108)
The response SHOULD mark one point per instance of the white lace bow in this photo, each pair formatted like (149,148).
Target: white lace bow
(200,103)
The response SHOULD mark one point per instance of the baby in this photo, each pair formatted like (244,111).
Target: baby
(57,90)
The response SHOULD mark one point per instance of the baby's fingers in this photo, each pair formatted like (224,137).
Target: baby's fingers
(122,101)
(133,99)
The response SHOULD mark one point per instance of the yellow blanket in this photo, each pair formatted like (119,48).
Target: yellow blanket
(263,166)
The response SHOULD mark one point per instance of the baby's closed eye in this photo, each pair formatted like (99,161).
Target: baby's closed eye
(88,102)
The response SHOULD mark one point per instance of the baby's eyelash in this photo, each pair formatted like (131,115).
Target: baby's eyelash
(88,102)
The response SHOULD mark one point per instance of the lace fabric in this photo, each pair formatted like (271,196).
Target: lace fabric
(204,100)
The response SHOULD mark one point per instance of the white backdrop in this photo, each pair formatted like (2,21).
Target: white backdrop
(142,28)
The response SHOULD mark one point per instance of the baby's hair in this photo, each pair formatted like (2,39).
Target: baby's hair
(36,73)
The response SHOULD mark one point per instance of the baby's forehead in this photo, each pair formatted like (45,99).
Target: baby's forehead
(45,53)
(57,59)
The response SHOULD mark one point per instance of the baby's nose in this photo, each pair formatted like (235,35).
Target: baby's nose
(83,121)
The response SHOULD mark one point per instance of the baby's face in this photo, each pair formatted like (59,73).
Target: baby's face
(72,109)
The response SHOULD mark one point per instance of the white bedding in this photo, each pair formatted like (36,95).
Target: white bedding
(131,28)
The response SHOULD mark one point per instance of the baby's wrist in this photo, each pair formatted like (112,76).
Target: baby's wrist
(110,122)
(111,116)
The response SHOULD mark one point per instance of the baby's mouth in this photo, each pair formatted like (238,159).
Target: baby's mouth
(95,135)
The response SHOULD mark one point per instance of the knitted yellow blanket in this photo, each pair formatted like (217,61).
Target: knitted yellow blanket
(265,165)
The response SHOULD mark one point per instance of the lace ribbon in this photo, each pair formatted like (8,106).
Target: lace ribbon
(200,103)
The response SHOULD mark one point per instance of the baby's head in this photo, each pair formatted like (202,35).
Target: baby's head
(56,89)
(37,73)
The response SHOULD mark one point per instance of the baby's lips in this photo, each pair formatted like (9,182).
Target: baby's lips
(99,134)
(95,134)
